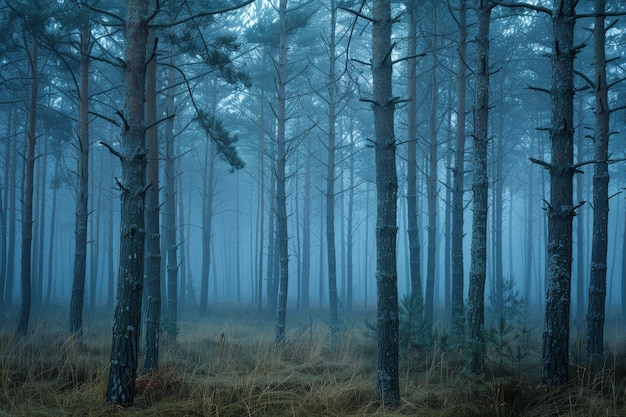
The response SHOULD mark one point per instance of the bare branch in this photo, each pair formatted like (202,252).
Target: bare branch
(113,151)
(200,15)
(542,163)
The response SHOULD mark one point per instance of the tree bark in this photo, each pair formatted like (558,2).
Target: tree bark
(480,185)
(597,279)
(458,182)
(153,237)
(330,177)
(207,225)
(560,209)
(387,378)
(27,202)
(411,177)
(173,296)
(281,179)
(127,320)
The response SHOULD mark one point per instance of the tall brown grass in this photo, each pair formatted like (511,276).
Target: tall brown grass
(227,365)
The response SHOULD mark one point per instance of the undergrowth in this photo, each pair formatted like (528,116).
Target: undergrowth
(226,364)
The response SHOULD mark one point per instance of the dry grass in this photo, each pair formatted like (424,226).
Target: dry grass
(227,365)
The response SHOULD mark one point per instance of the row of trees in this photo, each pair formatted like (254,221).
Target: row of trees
(171,78)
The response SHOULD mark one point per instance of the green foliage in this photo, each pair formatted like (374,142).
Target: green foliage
(505,336)
(222,138)
(413,330)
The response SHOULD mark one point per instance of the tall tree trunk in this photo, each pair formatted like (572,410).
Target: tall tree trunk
(207,223)
(432,195)
(350,231)
(458,183)
(281,179)
(173,296)
(39,227)
(110,257)
(27,199)
(127,320)
(271,251)
(597,279)
(387,377)
(9,174)
(560,209)
(580,224)
(480,184)
(261,206)
(51,245)
(306,240)
(330,175)
(411,177)
(153,236)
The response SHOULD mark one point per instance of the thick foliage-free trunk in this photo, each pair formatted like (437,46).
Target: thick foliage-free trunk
(411,177)
(82,194)
(127,320)
(458,183)
(27,202)
(153,238)
(597,279)
(387,378)
(480,184)
(281,178)
(560,208)
(305,302)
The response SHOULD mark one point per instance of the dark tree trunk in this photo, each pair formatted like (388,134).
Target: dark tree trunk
(261,206)
(153,237)
(432,183)
(51,245)
(330,177)
(580,225)
(127,320)
(597,279)
(207,224)
(350,235)
(387,378)
(480,184)
(281,179)
(305,301)
(413,227)
(27,199)
(560,209)
(173,296)
(458,183)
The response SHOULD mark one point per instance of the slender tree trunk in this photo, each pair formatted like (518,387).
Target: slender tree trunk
(207,223)
(330,175)
(480,184)
(597,280)
(110,258)
(413,225)
(261,206)
(350,233)
(580,226)
(432,195)
(458,182)
(387,377)
(51,245)
(306,240)
(281,179)
(560,209)
(27,201)
(153,236)
(40,229)
(5,273)
(127,320)
(173,296)
(271,252)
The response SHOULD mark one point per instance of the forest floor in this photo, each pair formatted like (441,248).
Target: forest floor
(226,364)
